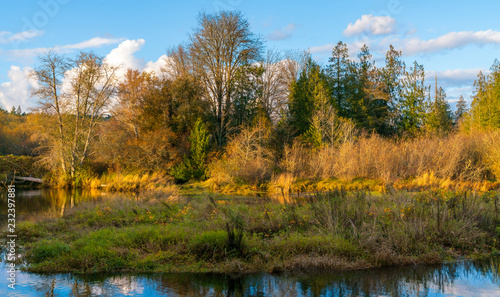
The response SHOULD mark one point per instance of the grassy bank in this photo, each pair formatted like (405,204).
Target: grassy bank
(337,230)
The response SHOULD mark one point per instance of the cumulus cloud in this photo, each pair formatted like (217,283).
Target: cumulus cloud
(282,33)
(158,66)
(452,40)
(374,25)
(9,37)
(16,91)
(123,55)
(124,58)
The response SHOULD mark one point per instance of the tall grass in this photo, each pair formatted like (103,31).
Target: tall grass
(444,161)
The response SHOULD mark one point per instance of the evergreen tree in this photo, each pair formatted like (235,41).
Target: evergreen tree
(485,107)
(412,105)
(461,110)
(439,118)
(194,167)
(312,80)
(391,77)
(341,77)
(372,110)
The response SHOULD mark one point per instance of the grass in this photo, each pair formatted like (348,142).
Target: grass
(334,230)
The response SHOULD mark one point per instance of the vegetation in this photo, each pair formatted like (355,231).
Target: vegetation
(226,112)
(228,116)
(161,231)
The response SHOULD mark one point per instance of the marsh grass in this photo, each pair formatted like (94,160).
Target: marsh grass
(337,229)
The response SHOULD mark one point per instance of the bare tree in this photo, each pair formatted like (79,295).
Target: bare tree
(220,46)
(289,68)
(49,75)
(77,93)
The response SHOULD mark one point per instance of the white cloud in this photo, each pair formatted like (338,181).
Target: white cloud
(373,25)
(16,92)
(157,66)
(322,48)
(123,55)
(8,37)
(452,40)
(27,55)
(455,76)
(94,42)
(282,33)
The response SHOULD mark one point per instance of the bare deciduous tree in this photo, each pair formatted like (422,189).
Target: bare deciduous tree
(221,45)
(77,93)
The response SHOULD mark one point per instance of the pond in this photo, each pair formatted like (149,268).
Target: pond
(466,278)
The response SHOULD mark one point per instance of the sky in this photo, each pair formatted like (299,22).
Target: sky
(454,40)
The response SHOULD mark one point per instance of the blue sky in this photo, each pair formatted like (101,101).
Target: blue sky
(452,39)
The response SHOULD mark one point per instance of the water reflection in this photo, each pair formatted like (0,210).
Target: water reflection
(44,202)
(479,278)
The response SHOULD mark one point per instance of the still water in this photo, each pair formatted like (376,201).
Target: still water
(479,278)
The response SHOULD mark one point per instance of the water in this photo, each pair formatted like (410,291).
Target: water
(454,279)
(44,202)
(479,278)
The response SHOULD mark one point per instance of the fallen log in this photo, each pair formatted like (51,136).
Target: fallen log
(31,179)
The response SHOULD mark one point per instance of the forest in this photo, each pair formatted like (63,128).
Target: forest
(229,114)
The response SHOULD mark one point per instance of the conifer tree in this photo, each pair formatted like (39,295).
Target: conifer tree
(411,106)
(461,110)
(439,118)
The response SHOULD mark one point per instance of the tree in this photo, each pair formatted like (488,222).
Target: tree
(194,166)
(412,95)
(78,108)
(341,78)
(219,48)
(132,92)
(485,107)
(439,118)
(391,75)
(370,107)
(461,110)
(311,85)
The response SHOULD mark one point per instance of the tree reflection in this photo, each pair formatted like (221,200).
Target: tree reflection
(420,280)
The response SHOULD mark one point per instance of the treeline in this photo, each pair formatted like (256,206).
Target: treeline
(224,104)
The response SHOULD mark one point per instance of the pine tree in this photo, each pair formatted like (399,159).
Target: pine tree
(439,118)
(485,107)
(312,83)
(373,109)
(341,77)
(412,105)
(391,75)
(461,110)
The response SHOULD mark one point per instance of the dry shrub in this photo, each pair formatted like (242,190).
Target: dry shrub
(247,159)
(457,157)
(296,160)
(492,142)
(281,185)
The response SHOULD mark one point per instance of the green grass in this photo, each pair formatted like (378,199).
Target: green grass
(332,230)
